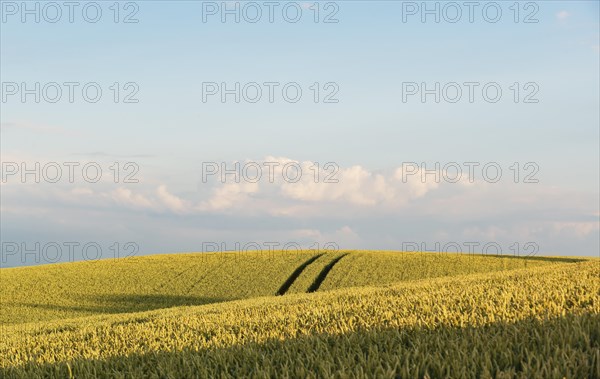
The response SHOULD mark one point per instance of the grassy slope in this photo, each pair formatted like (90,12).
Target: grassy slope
(537,322)
(69,290)
(136,284)
(376,268)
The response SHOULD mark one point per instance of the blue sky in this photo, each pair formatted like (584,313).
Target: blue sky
(368,133)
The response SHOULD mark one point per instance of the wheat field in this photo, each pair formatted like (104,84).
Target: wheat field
(374,314)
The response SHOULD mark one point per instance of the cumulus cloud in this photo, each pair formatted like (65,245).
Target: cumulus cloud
(127,197)
(228,195)
(306,182)
(364,208)
(171,201)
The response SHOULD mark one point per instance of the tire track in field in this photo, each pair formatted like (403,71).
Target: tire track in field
(209,272)
(172,278)
(323,274)
(288,283)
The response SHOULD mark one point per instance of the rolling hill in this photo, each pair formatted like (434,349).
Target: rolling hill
(67,290)
(370,314)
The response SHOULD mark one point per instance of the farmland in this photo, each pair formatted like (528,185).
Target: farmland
(374,314)
(48,292)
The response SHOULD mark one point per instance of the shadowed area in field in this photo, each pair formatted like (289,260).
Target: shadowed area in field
(125,303)
(496,256)
(288,283)
(568,346)
(540,259)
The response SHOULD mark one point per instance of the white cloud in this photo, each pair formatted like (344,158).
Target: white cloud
(172,202)
(397,202)
(354,185)
(344,236)
(126,197)
(563,15)
(358,191)
(82,191)
(228,195)
(580,229)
